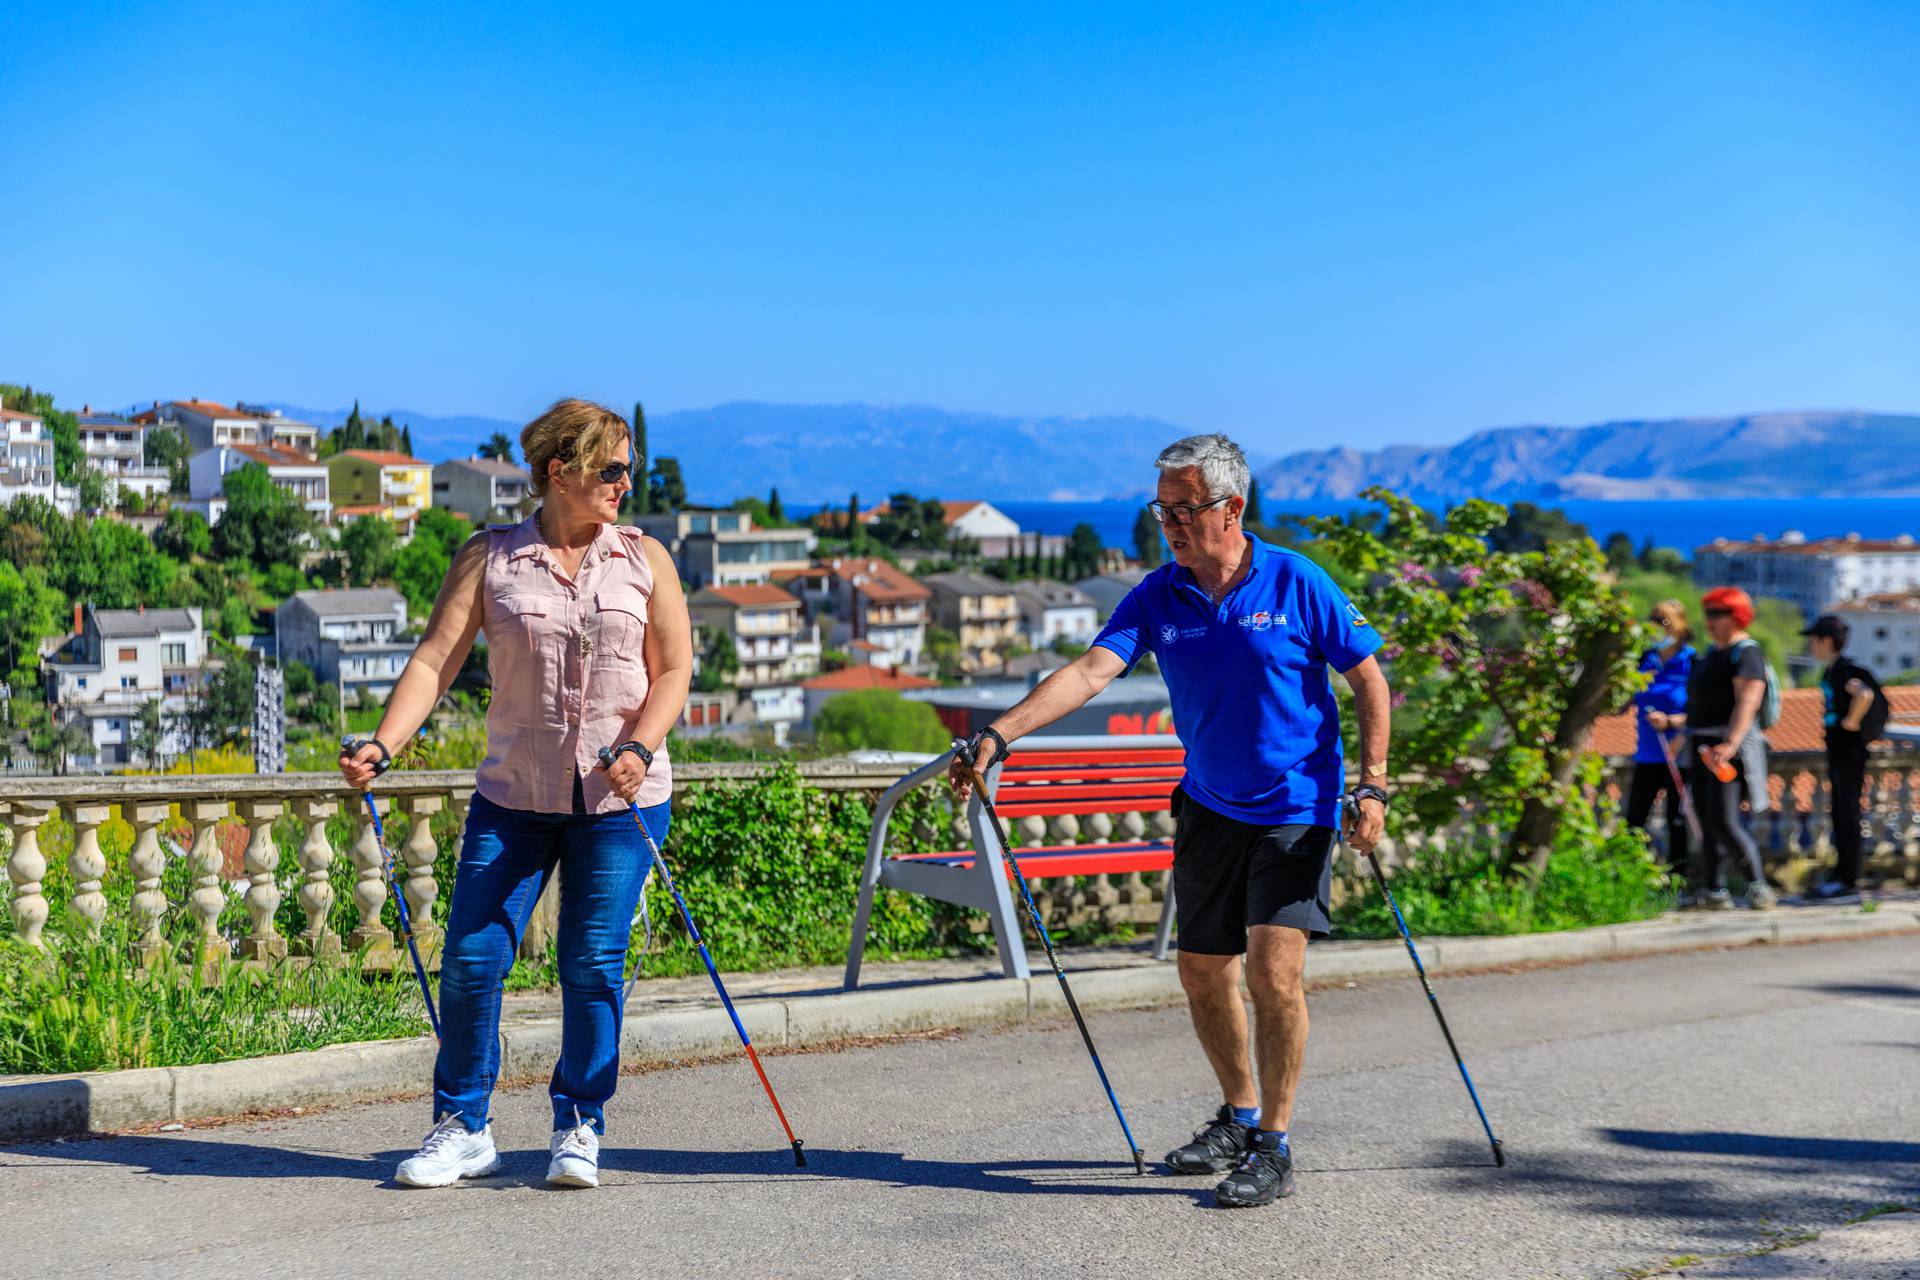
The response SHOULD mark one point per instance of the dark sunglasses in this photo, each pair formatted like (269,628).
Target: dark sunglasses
(611,473)
(1719,613)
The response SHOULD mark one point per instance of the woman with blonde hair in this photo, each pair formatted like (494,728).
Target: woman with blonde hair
(588,645)
(1657,764)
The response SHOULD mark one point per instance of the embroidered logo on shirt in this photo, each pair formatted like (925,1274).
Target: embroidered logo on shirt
(1169,633)
(1359,619)
(1262,620)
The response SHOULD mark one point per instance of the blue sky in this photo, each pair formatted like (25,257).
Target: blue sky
(1301,223)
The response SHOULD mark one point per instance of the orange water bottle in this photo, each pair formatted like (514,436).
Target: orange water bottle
(1725,772)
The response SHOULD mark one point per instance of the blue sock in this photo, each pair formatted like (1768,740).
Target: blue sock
(1285,1150)
(1249,1116)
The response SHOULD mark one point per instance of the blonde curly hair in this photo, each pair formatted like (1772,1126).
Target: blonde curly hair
(585,437)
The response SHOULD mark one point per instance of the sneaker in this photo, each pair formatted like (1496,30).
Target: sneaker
(576,1157)
(1834,892)
(1761,897)
(451,1152)
(1265,1175)
(1716,900)
(1690,900)
(1216,1147)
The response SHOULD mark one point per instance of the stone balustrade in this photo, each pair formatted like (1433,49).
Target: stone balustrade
(205,804)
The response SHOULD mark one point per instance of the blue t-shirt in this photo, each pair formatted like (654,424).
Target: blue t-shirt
(1248,678)
(1667,692)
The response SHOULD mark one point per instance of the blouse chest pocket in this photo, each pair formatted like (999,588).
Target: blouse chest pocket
(523,617)
(620,618)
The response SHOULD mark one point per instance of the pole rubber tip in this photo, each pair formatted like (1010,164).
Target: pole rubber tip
(799,1156)
(1499,1155)
(1140,1162)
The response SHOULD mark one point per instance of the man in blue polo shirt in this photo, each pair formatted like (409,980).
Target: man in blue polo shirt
(1244,633)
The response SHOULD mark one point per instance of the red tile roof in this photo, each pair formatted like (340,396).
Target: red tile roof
(384,457)
(878,580)
(210,409)
(15,415)
(1814,546)
(863,677)
(757,594)
(1799,730)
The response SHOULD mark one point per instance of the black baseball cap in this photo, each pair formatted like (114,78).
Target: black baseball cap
(1833,628)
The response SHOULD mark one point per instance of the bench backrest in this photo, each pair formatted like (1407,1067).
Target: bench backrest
(1044,783)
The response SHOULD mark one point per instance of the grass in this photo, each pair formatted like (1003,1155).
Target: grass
(82,1005)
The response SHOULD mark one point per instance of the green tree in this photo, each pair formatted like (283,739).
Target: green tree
(184,535)
(421,566)
(1618,548)
(1515,655)
(300,680)
(263,523)
(856,532)
(1252,517)
(31,610)
(943,651)
(641,499)
(1083,551)
(146,734)
(719,660)
(167,447)
(92,488)
(1662,559)
(666,488)
(776,511)
(879,719)
(498,446)
(369,545)
(1534,528)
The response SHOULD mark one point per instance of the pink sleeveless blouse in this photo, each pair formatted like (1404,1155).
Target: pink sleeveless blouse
(569,671)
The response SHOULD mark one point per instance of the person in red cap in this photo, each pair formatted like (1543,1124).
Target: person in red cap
(1726,693)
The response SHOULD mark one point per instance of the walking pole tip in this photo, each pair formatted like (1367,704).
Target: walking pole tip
(1499,1155)
(1140,1162)
(799,1156)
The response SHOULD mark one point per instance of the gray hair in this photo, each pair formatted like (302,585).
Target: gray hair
(1221,464)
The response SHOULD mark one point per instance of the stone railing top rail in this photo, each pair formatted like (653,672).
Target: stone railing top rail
(828,775)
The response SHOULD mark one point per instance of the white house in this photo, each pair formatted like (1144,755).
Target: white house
(1052,611)
(282,432)
(117,448)
(1884,630)
(203,423)
(354,637)
(26,460)
(116,661)
(305,478)
(482,489)
(884,608)
(1810,574)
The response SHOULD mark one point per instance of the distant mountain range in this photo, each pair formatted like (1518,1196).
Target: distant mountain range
(821,453)
(1814,454)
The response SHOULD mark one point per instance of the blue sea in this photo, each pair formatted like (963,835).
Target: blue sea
(1683,525)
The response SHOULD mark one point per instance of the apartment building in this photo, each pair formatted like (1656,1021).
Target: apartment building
(379,478)
(723,548)
(305,478)
(204,424)
(116,447)
(282,432)
(484,490)
(1051,611)
(883,609)
(354,637)
(982,612)
(26,459)
(118,660)
(774,644)
(1812,574)
(1107,590)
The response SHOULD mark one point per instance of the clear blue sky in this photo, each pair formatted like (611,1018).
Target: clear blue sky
(1301,223)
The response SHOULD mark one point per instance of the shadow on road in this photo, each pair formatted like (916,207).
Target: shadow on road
(1767,1146)
(1874,990)
(196,1158)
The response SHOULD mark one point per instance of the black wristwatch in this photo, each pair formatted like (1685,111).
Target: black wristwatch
(638,748)
(1367,791)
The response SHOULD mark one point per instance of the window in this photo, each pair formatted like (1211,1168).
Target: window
(173,655)
(128,682)
(129,653)
(81,683)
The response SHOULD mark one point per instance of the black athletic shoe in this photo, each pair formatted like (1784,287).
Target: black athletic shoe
(1216,1147)
(1264,1175)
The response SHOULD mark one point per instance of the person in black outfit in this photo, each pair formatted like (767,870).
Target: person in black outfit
(1659,761)
(1724,697)
(1856,714)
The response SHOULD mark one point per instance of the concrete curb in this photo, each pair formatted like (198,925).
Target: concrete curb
(111,1101)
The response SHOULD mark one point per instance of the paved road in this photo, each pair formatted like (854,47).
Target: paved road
(1678,1104)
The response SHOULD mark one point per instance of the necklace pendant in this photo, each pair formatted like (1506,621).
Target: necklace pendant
(586,644)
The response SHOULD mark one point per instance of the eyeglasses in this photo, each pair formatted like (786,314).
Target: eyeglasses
(611,473)
(1182,512)
(1719,613)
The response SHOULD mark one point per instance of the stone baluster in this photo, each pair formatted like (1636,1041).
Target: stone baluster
(263,941)
(421,888)
(27,868)
(148,862)
(1820,814)
(369,891)
(316,888)
(1881,839)
(1909,837)
(88,866)
(209,893)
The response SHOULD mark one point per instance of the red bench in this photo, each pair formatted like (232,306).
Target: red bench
(1044,778)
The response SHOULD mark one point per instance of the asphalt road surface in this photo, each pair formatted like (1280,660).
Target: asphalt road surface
(1689,1104)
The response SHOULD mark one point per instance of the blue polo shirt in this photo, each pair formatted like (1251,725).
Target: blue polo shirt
(1252,701)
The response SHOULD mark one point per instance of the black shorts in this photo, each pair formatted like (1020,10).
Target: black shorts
(1230,875)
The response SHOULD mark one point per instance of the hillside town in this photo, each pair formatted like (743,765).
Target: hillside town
(945,602)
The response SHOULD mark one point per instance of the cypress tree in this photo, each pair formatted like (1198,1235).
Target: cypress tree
(775,512)
(642,494)
(1252,517)
(855,534)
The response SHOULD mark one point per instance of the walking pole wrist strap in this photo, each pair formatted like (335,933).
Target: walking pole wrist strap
(1000,751)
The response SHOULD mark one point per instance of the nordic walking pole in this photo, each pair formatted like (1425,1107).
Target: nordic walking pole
(686,917)
(1680,789)
(1040,926)
(349,746)
(1499,1154)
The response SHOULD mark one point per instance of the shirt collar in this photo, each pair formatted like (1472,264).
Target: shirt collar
(1257,552)
(525,540)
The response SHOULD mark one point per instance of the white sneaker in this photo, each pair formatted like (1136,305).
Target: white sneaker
(451,1152)
(576,1157)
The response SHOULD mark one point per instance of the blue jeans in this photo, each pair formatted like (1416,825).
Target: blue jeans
(504,865)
